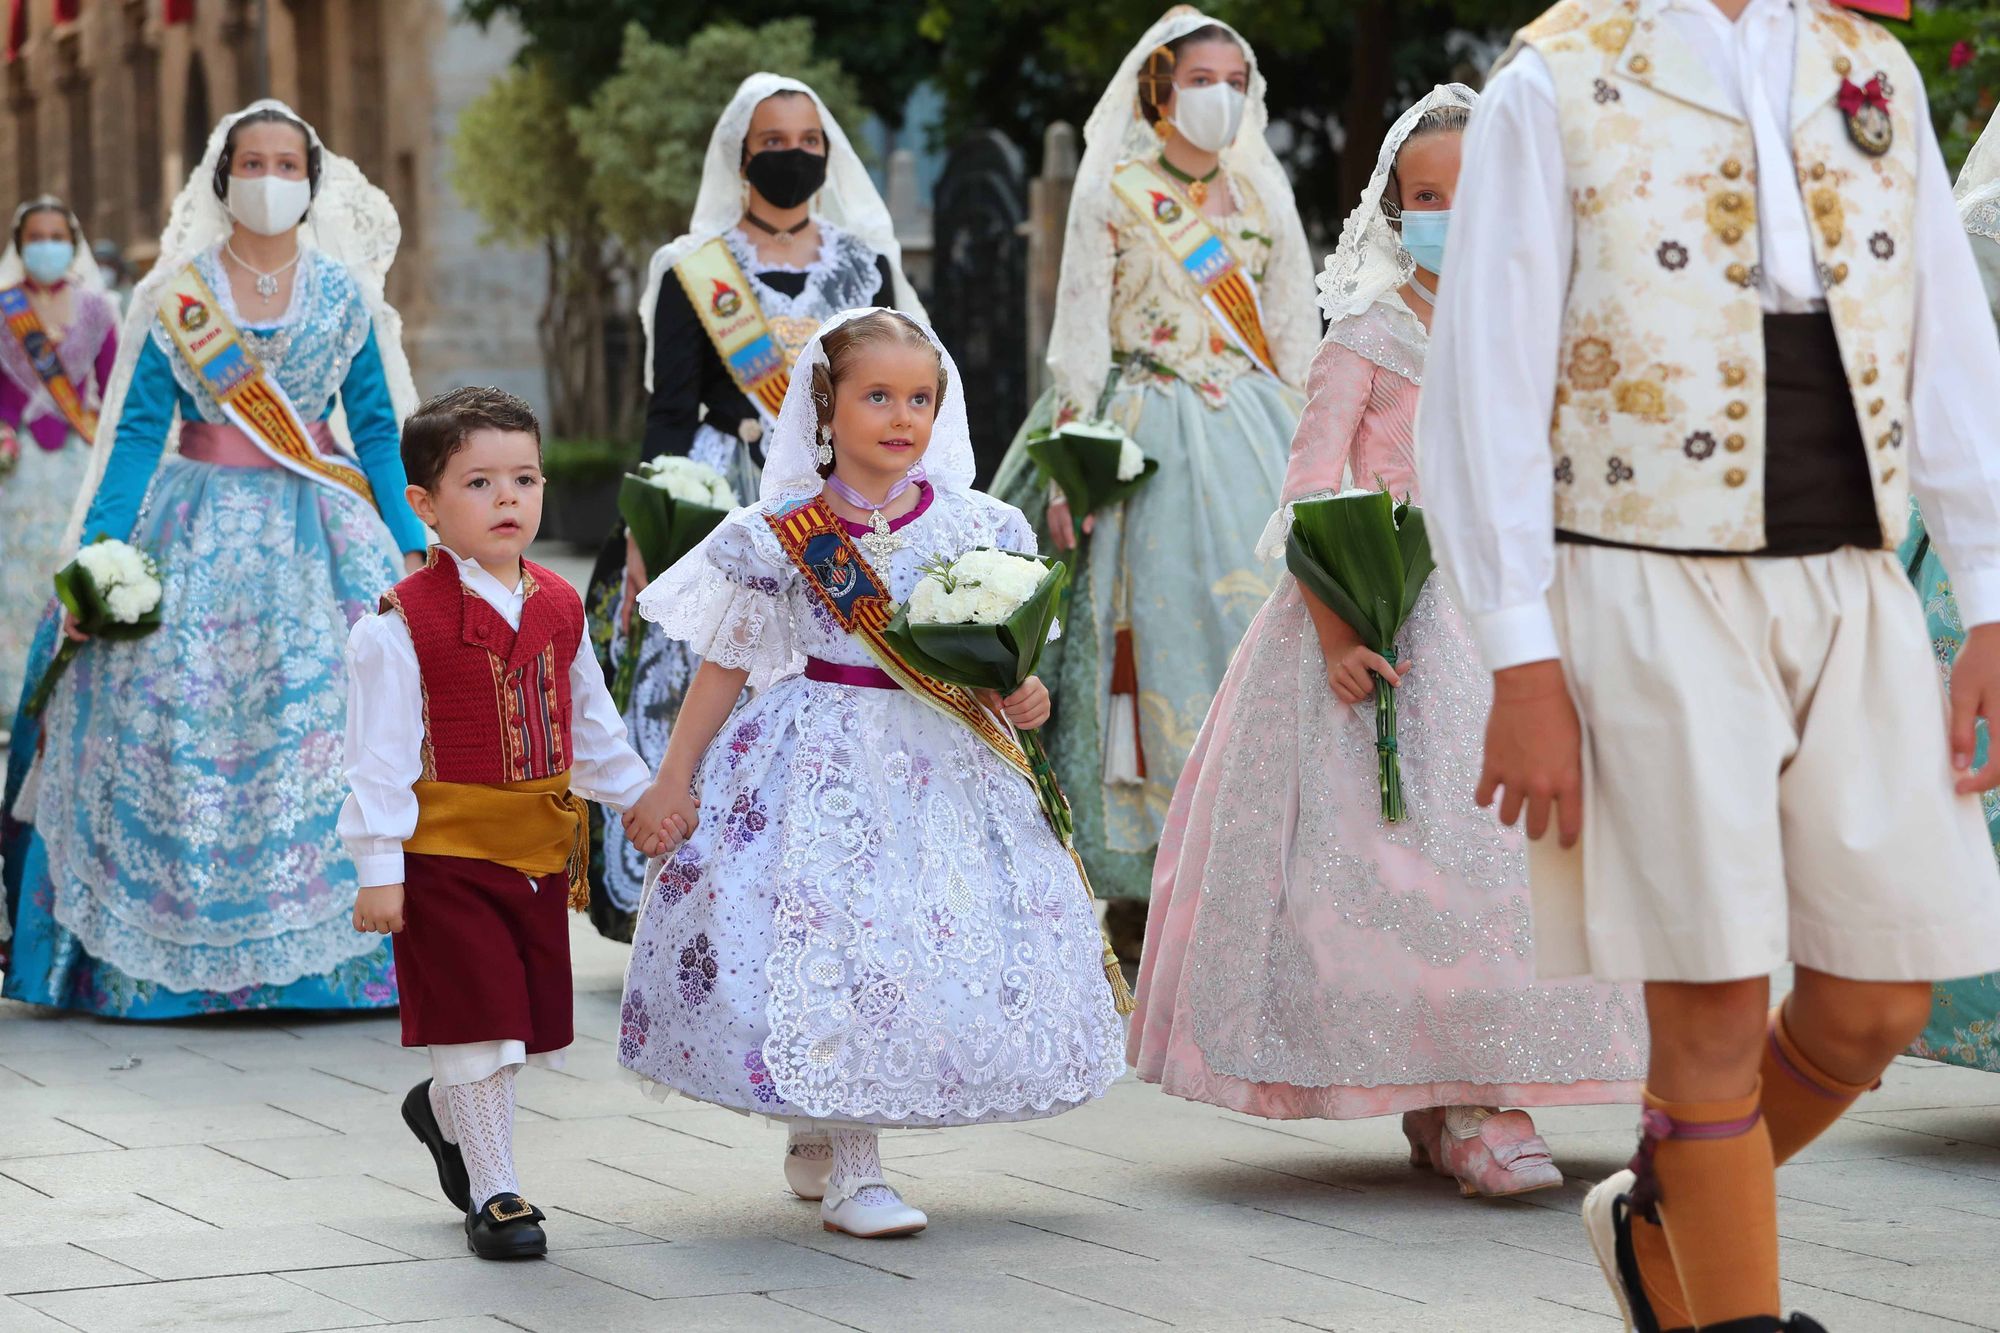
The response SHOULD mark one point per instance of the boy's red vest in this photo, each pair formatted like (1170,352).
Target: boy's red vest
(496,700)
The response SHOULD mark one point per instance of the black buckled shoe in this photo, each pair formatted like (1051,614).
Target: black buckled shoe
(506,1226)
(453,1178)
(1765,1323)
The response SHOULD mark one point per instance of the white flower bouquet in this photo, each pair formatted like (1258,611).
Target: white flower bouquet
(670,504)
(113,591)
(981,621)
(10,450)
(1094,464)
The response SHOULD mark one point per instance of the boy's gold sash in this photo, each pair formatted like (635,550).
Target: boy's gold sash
(735,323)
(26,325)
(252,400)
(1227,291)
(536,827)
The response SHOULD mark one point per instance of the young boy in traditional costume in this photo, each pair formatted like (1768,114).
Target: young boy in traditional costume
(1707,250)
(475,729)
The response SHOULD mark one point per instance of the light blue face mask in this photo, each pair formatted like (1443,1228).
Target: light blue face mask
(47,261)
(1423,237)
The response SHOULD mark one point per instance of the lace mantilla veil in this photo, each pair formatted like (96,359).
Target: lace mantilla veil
(83,270)
(790,473)
(1079,355)
(1370,265)
(1978,187)
(849,199)
(350,221)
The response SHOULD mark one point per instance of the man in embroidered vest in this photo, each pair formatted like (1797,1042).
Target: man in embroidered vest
(1710,316)
(475,728)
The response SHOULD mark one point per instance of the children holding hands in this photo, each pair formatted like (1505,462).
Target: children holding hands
(476,727)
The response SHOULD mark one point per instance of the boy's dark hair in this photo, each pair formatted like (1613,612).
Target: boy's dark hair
(437,429)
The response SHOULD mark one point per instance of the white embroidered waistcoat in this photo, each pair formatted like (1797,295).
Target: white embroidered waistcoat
(1658,430)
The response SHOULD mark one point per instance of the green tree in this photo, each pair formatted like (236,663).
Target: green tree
(516,163)
(582,41)
(646,128)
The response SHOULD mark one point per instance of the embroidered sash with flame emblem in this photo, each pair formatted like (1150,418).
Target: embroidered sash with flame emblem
(26,325)
(253,401)
(1228,292)
(735,323)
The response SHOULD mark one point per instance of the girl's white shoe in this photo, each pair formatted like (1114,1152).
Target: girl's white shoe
(884,1214)
(806,1171)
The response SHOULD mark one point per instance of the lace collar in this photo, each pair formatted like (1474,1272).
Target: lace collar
(1387,333)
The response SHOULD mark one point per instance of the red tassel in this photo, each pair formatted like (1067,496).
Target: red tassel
(1125,682)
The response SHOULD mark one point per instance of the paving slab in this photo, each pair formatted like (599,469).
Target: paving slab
(260,1304)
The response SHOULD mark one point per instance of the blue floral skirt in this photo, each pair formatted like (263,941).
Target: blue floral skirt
(184,857)
(1965,1013)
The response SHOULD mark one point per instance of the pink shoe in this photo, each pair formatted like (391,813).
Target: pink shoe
(1495,1153)
(1422,1129)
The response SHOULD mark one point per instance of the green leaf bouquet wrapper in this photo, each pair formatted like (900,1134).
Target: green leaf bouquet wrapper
(1366,558)
(80,595)
(665,529)
(1081,458)
(996,657)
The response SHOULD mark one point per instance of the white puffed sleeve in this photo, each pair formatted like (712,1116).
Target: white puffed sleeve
(728,600)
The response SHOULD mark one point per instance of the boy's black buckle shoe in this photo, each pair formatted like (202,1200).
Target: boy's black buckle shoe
(453,1178)
(506,1226)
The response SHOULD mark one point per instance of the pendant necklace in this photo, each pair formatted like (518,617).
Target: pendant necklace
(783,235)
(882,541)
(1196,186)
(267,283)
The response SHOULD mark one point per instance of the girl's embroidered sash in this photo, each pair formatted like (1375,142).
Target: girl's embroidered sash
(818,545)
(26,325)
(849,588)
(1227,291)
(735,323)
(252,400)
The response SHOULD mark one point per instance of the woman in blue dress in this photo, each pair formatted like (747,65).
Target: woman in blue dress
(1965,1014)
(183,857)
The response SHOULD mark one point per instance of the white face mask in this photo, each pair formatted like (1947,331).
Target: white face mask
(268,205)
(1208,117)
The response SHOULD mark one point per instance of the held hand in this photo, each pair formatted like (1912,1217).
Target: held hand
(1352,674)
(70,630)
(1975,694)
(664,818)
(1534,751)
(1027,707)
(635,583)
(1062,527)
(379,910)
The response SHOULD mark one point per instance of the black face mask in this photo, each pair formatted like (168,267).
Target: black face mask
(786,176)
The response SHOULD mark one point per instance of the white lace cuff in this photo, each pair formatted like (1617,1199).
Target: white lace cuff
(1271,546)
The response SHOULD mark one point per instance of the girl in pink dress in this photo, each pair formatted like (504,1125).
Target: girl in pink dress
(1304,958)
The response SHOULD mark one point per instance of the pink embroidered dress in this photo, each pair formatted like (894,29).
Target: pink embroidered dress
(1303,958)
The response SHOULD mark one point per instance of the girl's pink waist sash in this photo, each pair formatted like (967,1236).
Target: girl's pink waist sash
(840,673)
(227,446)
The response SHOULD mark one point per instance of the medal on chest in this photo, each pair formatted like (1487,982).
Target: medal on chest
(1866,107)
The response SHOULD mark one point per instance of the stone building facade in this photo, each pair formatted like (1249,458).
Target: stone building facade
(112,110)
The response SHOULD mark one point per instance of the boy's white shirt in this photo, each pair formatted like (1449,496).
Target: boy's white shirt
(385,732)
(1490,380)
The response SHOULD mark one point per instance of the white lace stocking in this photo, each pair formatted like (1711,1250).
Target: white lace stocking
(441,1110)
(855,1157)
(808,1145)
(483,1115)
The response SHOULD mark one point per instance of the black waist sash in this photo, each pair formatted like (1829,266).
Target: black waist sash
(1818,495)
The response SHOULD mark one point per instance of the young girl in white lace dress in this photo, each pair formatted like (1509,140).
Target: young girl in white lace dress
(870,922)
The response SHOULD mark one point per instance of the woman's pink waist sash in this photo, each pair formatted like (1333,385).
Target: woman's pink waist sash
(227,445)
(840,673)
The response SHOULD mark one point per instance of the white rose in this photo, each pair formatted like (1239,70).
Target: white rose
(1130,461)
(127,603)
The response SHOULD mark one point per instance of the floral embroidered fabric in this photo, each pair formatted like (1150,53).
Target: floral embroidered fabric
(873,923)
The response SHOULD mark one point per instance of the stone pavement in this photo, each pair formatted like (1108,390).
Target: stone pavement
(251,1173)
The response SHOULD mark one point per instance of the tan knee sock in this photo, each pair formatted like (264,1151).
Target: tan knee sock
(1800,1102)
(1718,1205)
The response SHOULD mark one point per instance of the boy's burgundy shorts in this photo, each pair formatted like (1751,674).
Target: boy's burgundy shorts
(483,954)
